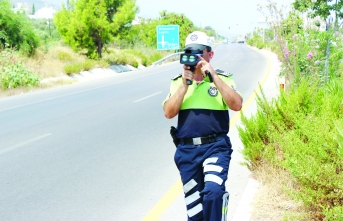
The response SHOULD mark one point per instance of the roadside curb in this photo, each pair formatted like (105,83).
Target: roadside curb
(96,73)
(245,206)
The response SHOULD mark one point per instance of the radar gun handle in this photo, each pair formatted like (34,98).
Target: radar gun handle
(209,75)
(191,68)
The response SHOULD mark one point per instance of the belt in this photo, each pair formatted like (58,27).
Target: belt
(202,140)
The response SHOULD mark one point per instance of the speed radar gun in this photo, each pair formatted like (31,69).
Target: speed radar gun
(190,58)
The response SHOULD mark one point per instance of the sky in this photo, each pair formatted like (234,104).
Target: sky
(228,17)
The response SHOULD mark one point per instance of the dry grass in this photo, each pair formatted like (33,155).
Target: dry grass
(49,84)
(50,64)
(271,202)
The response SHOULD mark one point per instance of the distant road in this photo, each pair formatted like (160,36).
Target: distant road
(99,150)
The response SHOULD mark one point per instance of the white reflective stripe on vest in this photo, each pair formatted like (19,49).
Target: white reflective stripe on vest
(210,160)
(213,168)
(213,178)
(190,185)
(193,197)
(195,210)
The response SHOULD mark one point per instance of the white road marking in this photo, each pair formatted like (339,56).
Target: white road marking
(24,143)
(78,92)
(147,96)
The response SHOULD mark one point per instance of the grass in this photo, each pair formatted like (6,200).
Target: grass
(271,202)
(56,61)
(295,136)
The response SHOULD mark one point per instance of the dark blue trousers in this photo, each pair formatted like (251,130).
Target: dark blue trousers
(203,170)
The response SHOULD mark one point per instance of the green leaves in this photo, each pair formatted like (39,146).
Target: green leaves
(17,75)
(340,140)
(301,132)
(16,30)
(91,24)
(320,8)
(145,32)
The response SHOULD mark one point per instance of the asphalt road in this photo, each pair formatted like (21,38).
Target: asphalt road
(99,150)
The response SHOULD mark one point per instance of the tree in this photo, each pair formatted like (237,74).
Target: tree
(186,26)
(33,9)
(292,24)
(145,31)
(16,30)
(320,8)
(210,31)
(91,24)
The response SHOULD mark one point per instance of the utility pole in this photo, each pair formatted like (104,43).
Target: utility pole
(49,26)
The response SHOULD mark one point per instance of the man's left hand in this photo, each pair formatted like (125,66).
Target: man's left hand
(205,66)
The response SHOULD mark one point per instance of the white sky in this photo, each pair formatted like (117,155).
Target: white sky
(240,15)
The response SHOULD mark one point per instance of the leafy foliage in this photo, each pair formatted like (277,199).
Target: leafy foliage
(91,24)
(296,132)
(17,75)
(145,32)
(45,29)
(300,132)
(320,8)
(16,30)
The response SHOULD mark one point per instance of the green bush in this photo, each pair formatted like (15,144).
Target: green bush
(17,30)
(140,55)
(64,56)
(296,132)
(260,45)
(103,63)
(17,75)
(73,68)
(145,61)
(122,58)
(155,56)
(135,64)
(89,64)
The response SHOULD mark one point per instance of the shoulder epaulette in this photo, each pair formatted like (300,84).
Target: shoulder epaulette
(176,77)
(224,73)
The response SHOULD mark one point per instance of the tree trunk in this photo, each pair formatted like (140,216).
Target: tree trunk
(99,48)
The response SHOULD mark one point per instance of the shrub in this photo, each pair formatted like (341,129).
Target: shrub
(86,65)
(64,56)
(296,132)
(135,64)
(73,68)
(154,57)
(89,64)
(17,30)
(17,75)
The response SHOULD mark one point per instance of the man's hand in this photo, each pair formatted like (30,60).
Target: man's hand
(231,97)
(205,66)
(187,75)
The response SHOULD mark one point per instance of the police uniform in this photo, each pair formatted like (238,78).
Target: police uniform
(203,148)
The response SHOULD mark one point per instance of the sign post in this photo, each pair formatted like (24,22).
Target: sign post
(168,37)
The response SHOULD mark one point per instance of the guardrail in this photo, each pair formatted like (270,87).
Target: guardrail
(165,58)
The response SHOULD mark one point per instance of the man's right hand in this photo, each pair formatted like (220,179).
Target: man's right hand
(187,75)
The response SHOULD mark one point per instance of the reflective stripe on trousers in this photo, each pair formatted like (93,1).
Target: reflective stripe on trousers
(224,207)
(203,171)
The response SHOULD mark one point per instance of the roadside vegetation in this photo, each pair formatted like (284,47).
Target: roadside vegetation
(297,138)
(81,37)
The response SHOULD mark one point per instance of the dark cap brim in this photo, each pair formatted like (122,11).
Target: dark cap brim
(195,47)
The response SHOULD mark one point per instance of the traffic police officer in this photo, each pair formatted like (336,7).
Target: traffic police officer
(203,149)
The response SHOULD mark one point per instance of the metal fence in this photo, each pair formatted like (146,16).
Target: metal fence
(166,58)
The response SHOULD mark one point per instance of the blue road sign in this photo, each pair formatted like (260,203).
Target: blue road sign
(168,37)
